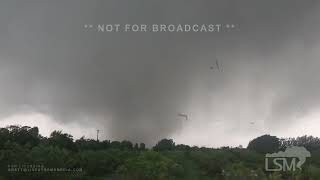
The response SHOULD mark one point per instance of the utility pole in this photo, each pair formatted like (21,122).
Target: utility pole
(98,134)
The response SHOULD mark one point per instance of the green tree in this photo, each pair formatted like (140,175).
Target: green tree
(164,145)
(4,136)
(127,145)
(142,147)
(62,140)
(136,146)
(264,144)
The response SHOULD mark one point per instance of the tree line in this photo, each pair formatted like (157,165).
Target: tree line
(91,159)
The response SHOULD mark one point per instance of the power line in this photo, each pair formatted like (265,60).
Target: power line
(98,134)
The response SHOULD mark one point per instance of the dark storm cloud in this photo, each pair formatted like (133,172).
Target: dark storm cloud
(136,83)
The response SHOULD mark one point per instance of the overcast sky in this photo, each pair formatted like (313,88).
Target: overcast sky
(56,74)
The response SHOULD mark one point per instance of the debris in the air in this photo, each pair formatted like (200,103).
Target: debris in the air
(217,66)
(183,115)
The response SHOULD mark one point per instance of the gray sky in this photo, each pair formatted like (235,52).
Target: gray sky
(54,73)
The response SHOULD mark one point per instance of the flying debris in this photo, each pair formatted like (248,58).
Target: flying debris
(217,66)
(183,115)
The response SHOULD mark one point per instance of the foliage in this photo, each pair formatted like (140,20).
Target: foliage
(164,145)
(88,159)
(265,144)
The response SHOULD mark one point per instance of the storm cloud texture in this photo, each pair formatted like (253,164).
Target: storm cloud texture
(134,84)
